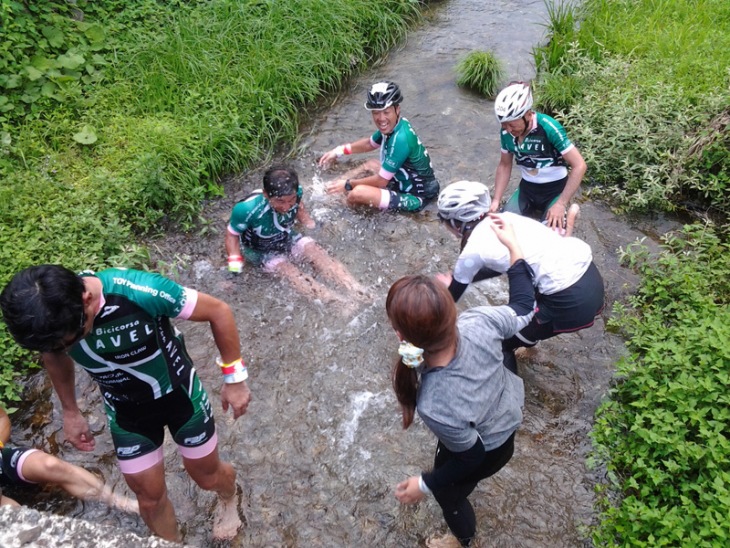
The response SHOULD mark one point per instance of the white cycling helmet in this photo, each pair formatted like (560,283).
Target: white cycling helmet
(464,201)
(513,102)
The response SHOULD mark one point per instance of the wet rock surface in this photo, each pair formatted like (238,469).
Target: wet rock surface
(24,527)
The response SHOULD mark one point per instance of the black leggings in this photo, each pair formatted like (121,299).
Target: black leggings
(457,509)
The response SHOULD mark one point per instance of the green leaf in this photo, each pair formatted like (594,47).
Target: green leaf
(95,34)
(71,61)
(42,63)
(53,35)
(48,89)
(33,73)
(13,81)
(87,136)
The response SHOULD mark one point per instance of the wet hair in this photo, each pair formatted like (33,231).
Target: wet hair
(281,181)
(41,305)
(422,310)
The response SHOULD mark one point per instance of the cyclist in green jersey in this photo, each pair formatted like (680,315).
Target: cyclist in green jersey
(261,232)
(116,325)
(403,178)
(551,165)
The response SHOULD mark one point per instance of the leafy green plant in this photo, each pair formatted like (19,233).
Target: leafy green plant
(665,433)
(480,71)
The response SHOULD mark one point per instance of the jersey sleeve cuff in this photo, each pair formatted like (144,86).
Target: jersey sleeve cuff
(191,299)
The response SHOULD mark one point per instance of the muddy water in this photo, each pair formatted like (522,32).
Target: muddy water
(321,448)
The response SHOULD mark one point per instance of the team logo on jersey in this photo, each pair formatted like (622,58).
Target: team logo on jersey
(109,310)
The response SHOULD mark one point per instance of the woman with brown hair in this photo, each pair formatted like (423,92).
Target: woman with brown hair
(450,371)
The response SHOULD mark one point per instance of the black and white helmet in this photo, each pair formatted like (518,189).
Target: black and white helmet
(382,95)
(513,102)
(464,201)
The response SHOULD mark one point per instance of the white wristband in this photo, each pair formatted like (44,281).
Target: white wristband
(340,151)
(422,486)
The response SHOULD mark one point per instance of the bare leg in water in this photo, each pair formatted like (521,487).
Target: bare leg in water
(311,288)
(40,467)
(331,268)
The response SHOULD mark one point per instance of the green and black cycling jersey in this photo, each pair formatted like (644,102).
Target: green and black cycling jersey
(403,154)
(540,154)
(133,351)
(260,227)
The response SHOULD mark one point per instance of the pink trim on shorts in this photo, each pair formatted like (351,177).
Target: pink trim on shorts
(298,249)
(191,299)
(384,199)
(140,464)
(201,450)
(21,460)
(231,230)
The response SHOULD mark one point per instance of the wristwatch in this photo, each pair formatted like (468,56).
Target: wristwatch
(348,186)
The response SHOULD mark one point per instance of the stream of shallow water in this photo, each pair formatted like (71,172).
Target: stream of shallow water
(321,448)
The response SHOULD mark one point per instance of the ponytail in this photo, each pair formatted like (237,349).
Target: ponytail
(405,385)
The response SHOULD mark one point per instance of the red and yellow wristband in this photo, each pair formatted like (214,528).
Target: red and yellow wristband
(233,372)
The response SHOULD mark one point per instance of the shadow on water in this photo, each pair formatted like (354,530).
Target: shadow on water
(321,448)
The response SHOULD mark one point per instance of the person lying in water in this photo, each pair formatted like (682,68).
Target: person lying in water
(25,466)
(260,231)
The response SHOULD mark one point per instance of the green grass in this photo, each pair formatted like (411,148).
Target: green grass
(480,71)
(639,83)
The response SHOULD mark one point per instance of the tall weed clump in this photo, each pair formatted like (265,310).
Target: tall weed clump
(665,433)
(480,71)
(117,118)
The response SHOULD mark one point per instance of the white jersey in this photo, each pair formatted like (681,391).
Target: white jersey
(556,261)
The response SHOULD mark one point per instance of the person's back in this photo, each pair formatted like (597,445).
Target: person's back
(475,388)
(557,262)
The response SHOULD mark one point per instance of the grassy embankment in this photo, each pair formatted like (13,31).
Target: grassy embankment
(644,87)
(117,118)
